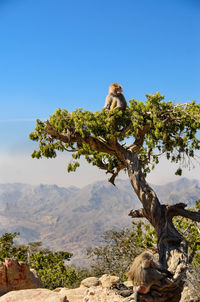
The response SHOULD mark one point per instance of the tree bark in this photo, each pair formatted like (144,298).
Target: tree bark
(172,247)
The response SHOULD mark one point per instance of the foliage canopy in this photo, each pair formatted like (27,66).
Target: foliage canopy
(149,129)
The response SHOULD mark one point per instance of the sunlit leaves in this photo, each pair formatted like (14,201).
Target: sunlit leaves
(49,265)
(72,166)
(52,270)
(173,131)
(9,250)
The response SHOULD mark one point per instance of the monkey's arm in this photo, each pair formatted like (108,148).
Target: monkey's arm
(165,271)
(108,102)
(121,102)
(160,269)
(114,104)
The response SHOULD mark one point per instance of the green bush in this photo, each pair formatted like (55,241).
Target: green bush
(50,266)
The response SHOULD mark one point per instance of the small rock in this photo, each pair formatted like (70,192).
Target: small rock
(57,290)
(122,290)
(128,284)
(108,280)
(89,282)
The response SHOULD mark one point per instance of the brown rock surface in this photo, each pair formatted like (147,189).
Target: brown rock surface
(108,281)
(16,276)
(128,284)
(92,294)
(3,279)
(91,290)
(73,295)
(33,295)
(91,281)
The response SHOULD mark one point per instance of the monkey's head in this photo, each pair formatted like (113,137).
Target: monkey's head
(148,263)
(115,89)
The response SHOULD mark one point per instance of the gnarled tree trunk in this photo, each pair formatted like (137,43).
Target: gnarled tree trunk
(172,247)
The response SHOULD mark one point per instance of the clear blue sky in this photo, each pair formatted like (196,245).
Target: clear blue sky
(66,53)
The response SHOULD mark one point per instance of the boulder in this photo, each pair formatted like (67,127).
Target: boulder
(108,281)
(3,279)
(91,290)
(33,295)
(89,282)
(16,276)
(128,284)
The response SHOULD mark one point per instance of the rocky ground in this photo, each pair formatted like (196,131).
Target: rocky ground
(18,283)
(104,289)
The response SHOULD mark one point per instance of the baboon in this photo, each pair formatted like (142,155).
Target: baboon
(145,272)
(115,98)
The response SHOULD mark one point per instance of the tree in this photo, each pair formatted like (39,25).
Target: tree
(134,140)
(50,265)
(10,250)
(52,269)
(119,248)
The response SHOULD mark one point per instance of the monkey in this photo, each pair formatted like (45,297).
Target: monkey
(145,272)
(115,98)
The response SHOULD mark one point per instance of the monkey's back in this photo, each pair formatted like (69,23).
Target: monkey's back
(141,272)
(146,276)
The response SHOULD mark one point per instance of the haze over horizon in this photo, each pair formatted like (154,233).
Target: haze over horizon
(65,54)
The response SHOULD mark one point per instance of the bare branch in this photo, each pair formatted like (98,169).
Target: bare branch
(137,213)
(179,210)
(115,174)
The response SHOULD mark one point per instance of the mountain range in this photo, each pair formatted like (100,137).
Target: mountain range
(74,219)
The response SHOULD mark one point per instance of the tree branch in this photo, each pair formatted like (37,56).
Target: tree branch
(69,137)
(125,130)
(179,210)
(114,174)
(139,139)
(171,211)
(137,213)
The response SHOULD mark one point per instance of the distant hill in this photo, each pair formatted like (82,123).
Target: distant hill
(74,219)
